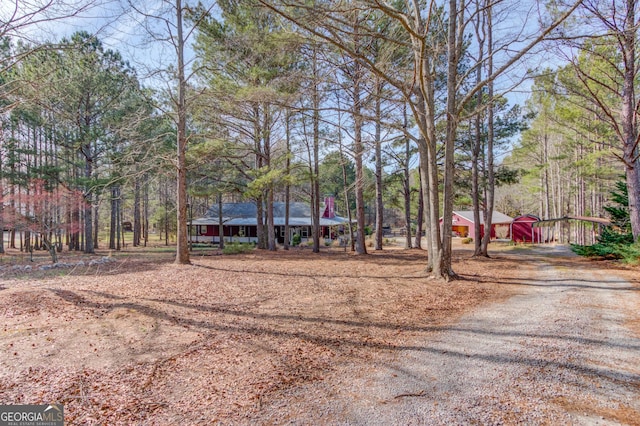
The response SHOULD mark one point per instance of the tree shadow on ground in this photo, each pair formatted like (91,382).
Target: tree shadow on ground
(309,328)
(292,275)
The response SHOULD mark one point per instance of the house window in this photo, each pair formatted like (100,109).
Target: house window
(241,231)
(304,232)
(282,231)
(202,230)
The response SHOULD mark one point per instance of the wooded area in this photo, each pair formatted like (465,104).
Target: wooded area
(400,110)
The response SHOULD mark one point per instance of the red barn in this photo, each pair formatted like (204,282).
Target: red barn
(464,226)
(522,230)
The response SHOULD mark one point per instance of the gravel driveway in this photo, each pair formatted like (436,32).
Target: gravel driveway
(558,352)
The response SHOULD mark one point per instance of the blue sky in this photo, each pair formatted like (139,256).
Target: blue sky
(116,25)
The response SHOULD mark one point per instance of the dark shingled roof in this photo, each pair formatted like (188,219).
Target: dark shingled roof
(250,210)
(245,214)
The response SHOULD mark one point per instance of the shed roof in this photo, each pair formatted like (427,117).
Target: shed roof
(496,218)
(527,218)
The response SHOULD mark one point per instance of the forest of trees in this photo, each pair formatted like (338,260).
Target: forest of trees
(402,110)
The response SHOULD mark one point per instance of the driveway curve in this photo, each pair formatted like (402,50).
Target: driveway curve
(560,351)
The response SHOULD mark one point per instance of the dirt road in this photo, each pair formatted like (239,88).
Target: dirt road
(558,352)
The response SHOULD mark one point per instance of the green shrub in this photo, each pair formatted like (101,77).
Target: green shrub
(630,253)
(468,240)
(237,248)
(613,237)
(616,241)
(625,252)
(295,241)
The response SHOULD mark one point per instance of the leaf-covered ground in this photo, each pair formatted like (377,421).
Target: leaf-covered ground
(143,340)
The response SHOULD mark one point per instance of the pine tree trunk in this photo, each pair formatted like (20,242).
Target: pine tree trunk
(88,199)
(145,200)
(220,223)
(420,214)
(345,189)
(475,187)
(315,176)
(262,240)
(378,145)
(182,246)
(287,188)
(477,143)
(444,270)
(358,148)
(406,186)
(119,233)
(96,225)
(271,228)
(137,225)
(166,214)
(12,205)
(112,224)
(491,180)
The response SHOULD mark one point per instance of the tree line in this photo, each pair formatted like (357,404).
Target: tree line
(380,104)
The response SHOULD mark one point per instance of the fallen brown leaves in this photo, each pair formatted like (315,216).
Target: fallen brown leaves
(149,341)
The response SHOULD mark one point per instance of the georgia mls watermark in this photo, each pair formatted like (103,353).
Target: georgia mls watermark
(32,415)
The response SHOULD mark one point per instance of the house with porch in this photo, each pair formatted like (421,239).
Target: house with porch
(240,223)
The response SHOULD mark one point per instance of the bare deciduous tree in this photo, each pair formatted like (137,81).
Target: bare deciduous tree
(433,35)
